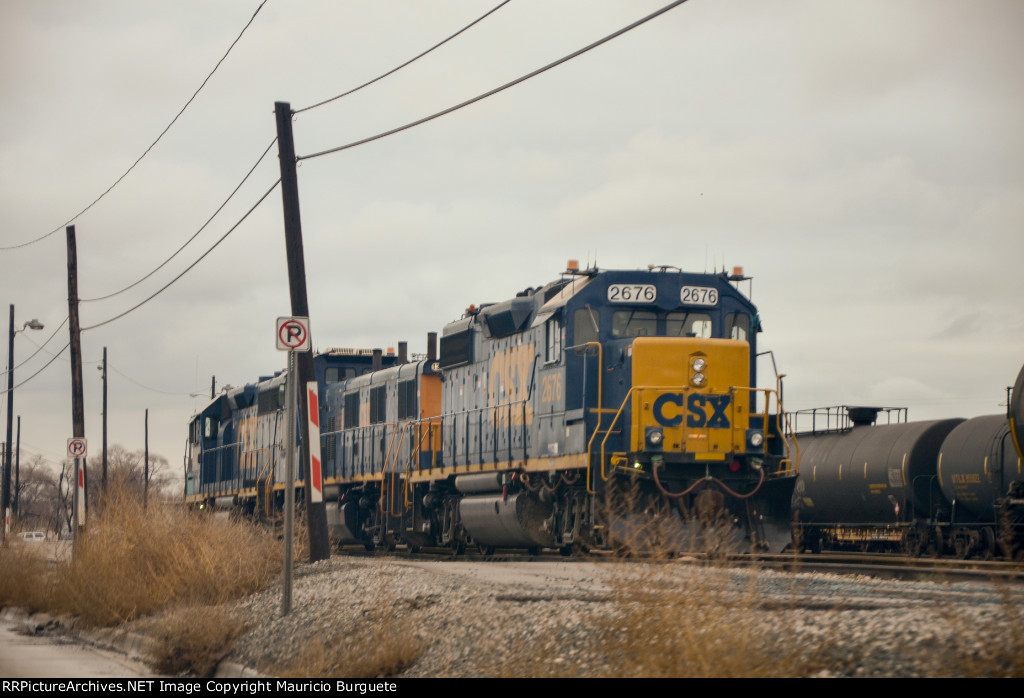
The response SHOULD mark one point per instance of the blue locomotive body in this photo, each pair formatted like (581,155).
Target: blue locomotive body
(601,390)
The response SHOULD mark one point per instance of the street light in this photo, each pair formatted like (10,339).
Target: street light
(32,324)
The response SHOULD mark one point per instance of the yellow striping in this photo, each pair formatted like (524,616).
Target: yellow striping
(532,465)
(940,469)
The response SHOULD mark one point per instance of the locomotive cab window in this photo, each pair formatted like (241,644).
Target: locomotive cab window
(553,337)
(688,325)
(336,374)
(737,326)
(585,326)
(634,323)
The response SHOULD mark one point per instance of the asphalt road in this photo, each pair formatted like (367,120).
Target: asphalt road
(31,657)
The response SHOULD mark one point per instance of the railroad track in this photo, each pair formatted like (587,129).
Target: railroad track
(880,565)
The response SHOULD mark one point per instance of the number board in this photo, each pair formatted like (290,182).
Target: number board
(698,295)
(632,293)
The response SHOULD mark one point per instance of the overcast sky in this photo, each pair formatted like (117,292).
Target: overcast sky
(863,161)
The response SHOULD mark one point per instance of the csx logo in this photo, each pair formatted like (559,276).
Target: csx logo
(698,406)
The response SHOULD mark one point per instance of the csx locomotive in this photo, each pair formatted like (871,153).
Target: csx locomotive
(601,391)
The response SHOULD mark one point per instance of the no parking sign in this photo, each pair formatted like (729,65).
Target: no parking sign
(293,334)
(77,447)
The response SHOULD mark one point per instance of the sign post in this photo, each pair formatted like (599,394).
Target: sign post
(292,336)
(78,448)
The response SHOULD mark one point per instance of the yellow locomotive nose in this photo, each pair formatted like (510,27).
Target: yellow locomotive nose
(691,396)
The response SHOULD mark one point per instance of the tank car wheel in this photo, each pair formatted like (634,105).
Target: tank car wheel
(414,549)
(988,540)
(369,547)
(486,549)
(458,547)
(937,547)
(913,544)
(533,550)
(962,543)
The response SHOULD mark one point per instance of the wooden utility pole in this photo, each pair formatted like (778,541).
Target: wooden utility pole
(77,401)
(316,513)
(145,472)
(104,481)
(6,504)
(17,468)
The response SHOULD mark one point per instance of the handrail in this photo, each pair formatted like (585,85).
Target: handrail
(396,435)
(268,470)
(732,389)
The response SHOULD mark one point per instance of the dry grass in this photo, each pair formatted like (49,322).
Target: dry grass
(382,645)
(669,619)
(382,649)
(25,578)
(193,639)
(708,628)
(993,649)
(136,561)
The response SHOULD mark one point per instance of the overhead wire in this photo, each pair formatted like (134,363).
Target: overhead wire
(189,267)
(399,129)
(408,62)
(194,235)
(151,145)
(97,363)
(41,369)
(496,90)
(142,385)
(39,346)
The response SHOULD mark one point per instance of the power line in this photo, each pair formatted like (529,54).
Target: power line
(141,385)
(496,90)
(43,368)
(158,292)
(40,346)
(194,235)
(189,267)
(151,145)
(408,62)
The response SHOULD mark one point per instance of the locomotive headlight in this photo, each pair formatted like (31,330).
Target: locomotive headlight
(655,437)
(698,379)
(755,437)
(699,364)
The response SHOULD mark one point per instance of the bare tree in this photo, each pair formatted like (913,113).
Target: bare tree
(127,469)
(38,496)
